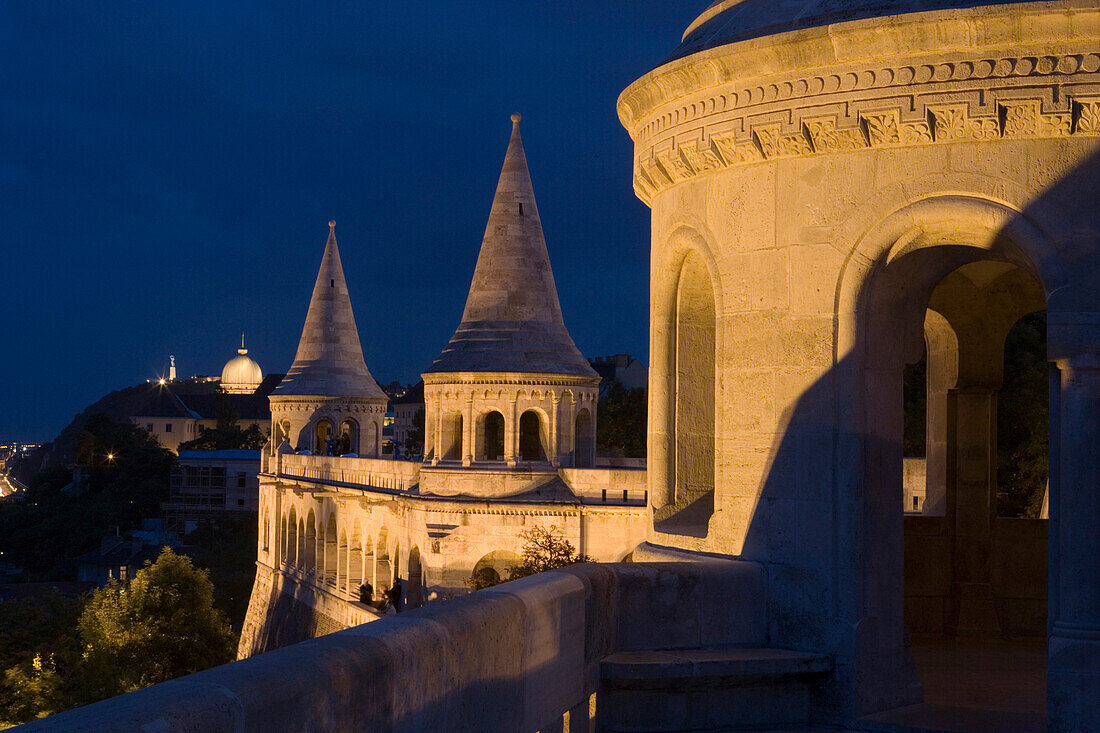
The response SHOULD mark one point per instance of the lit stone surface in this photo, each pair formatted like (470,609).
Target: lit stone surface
(512,321)
(827,173)
(329,360)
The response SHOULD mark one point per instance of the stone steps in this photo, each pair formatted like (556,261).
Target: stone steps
(707,689)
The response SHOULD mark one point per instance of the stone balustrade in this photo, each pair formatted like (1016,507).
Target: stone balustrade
(377,473)
(522,656)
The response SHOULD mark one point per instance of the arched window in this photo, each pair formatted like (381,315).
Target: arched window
(494,436)
(324,443)
(584,441)
(331,550)
(291,550)
(416,580)
(355,560)
(310,560)
(695,353)
(300,552)
(342,563)
(530,440)
(383,570)
(349,438)
(283,433)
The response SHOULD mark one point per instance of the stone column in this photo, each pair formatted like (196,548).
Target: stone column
(1073,676)
(553,439)
(973,609)
(468,432)
(437,438)
(511,436)
(942,349)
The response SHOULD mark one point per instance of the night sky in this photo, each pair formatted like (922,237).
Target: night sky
(167,171)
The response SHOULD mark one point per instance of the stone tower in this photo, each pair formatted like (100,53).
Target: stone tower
(510,390)
(329,400)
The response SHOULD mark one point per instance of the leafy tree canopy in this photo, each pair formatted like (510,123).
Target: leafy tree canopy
(621,427)
(161,625)
(543,549)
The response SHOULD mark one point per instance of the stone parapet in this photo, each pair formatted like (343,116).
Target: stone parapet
(521,656)
(375,473)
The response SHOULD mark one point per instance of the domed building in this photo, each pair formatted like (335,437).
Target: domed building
(241,374)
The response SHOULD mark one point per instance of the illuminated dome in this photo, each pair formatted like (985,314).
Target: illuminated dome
(241,375)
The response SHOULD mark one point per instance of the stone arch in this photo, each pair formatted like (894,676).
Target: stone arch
(300,553)
(383,568)
(495,566)
(694,357)
(282,434)
(491,436)
(532,436)
(342,562)
(355,559)
(368,562)
(323,432)
(332,550)
(310,559)
(349,437)
(884,292)
(584,440)
(290,552)
(687,244)
(415,592)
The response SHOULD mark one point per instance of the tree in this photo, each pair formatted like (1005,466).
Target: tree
(227,438)
(543,549)
(39,653)
(621,428)
(1022,419)
(161,625)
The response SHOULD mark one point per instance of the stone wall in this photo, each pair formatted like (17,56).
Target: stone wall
(518,657)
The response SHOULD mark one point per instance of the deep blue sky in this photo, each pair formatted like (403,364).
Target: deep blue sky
(167,171)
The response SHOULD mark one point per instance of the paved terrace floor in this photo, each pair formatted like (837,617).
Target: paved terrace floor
(975,686)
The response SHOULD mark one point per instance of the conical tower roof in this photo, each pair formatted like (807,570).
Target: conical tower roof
(512,321)
(329,361)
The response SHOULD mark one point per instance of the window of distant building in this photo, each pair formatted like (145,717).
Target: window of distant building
(240,480)
(168,427)
(149,427)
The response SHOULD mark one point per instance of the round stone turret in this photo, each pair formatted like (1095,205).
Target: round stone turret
(510,389)
(328,402)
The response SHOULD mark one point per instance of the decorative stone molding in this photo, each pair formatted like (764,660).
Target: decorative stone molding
(908,76)
(919,117)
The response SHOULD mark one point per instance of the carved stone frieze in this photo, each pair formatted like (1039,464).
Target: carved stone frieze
(919,117)
(887,79)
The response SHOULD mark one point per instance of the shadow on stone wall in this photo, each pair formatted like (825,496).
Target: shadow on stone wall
(828,522)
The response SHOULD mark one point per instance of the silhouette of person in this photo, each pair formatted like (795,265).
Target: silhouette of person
(394,596)
(366,593)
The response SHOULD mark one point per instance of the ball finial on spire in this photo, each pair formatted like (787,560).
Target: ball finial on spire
(331,223)
(516,117)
